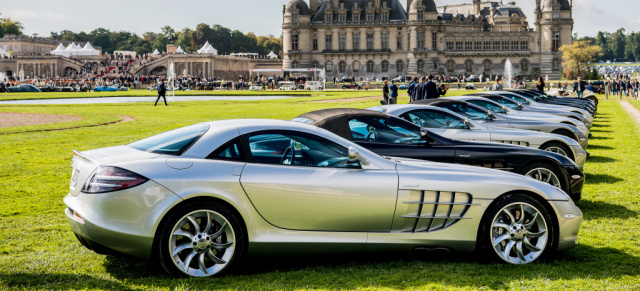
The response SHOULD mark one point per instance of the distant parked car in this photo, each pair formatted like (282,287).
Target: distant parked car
(256,87)
(313,86)
(24,88)
(472,78)
(109,89)
(287,85)
(470,86)
(364,85)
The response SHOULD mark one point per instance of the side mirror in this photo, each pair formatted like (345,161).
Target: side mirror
(424,133)
(468,123)
(490,113)
(520,106)
(354,156)
(504,108)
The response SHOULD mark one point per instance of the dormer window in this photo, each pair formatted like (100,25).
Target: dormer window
(342,18)
(328,18)
(420,14)
(385,17)
(370,16)
(294,18)
(556,13)
(355,17)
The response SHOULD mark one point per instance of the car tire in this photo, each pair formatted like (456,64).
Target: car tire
(506,236)
(566,133)
(558,148)
(188,246)
(547,173)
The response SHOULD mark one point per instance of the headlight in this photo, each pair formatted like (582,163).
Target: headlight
(108,179)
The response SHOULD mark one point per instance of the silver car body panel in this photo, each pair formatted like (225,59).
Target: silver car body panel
(482,132)
(550,106)
(330,212)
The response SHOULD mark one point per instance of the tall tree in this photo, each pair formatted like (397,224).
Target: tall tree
(8,26)
(618,43)
(577,57)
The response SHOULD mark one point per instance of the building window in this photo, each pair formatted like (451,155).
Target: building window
(420,14)
(385,66)
(316,65)
(17,48)
(524,45)
(468,65)
(315,44)
(434,41)
(342,67)
(342,18)
(328,18)
(420,66)
(496,45)
(459,45)
(514,45)
(505,45)
(524,66)
(555,45)
(556,13)
(355,17)
(400,66)
(370,66)
(294,42)
(329,66)
(385,41)
(450,45)
(420,39)
(556,64)
(342,42)
(370,16)
(487,65)
(451,65)
(399,43)
(477,45)
(385,16)
(370,41)
(294,65)
(294,18)
(486,46)
(468,46)
(356,41)
(329,42)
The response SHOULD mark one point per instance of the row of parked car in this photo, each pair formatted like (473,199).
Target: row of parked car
(31,88)
(387,178)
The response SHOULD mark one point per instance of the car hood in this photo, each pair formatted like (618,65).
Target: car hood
(481,183)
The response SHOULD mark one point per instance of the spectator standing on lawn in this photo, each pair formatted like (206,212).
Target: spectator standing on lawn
(579,87)
(497,86)
(431,89)
(162,91)
(385,92)
(412,89)
(393,98)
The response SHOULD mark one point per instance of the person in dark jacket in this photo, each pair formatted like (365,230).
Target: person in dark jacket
(442,90)
(385,93)
(579,87)
(431,89)
(419,93)
(162,91)
(412,89)
(393,97)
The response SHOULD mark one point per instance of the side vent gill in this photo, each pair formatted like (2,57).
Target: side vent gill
(514,142)
(435,210)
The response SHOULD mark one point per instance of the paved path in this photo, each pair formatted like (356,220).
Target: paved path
(632,110)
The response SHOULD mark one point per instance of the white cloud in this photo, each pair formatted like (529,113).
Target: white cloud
(30,15)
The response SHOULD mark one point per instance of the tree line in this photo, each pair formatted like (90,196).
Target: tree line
(8,26)
(225,40)
(618,46)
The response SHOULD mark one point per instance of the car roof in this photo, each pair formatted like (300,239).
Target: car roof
(437,102)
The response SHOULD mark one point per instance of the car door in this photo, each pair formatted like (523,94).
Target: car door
(302,181)
(446,124)
(398,138)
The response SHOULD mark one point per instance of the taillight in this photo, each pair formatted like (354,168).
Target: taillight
(108,179)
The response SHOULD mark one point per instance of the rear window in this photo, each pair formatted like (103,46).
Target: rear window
(174,142)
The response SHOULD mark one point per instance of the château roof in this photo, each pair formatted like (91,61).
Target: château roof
(396,12)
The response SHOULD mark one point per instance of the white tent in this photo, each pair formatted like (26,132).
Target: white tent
(71,50)
(180,50)
(272,55)
(207,49)
(4,54)
(88,50)
(59,50)
(156,53)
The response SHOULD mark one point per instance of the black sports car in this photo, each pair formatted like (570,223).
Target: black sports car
(392,136)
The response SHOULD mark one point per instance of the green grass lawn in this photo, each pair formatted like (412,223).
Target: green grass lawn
(38,250)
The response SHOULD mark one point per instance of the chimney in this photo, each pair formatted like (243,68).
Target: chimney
(313,6)
(376,4)
(476,6)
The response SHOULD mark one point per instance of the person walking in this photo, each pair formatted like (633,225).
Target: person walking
(162,91)
(431,89)
(412,89)
(393,98)
(579,87)
(385,93)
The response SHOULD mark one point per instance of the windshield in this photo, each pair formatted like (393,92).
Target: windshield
(174,142)
(493,107)
(508,102)
(468,111)
(434,119)
(518,99)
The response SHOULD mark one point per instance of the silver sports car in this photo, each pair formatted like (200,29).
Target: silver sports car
(455,126)
(200,198)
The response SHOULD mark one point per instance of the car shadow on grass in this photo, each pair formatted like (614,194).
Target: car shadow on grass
(390,271)
(597,131)
(599,138)
(595,179)
(599,147)
(599,209)
(600,159)
(58,282)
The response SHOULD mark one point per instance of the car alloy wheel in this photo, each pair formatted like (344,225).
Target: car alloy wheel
(519,233)
(546,176)
(557,150)
(200,240)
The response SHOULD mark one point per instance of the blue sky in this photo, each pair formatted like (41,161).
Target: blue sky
(262,17)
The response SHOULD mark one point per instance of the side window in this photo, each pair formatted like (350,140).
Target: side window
(231,151)
(298,149)
(383,131)
(488,105)
(435,119)
(468,111)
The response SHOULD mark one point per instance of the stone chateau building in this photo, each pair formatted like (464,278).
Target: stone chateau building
(379,38)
